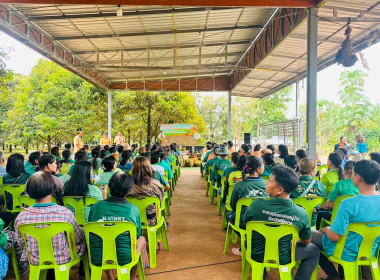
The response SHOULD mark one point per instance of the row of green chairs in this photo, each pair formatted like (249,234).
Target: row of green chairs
(107,231)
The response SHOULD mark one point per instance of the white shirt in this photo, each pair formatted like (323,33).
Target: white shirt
(159,169)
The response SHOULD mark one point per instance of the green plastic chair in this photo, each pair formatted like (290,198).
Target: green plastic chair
(12,253)
(142,202)
(79,205)
(272,233)
(219,196)
(65,168)
(26,201)
(369,232)
(15,190)
(165,205)
(170,183)
(308,203)
(108,232)
(1,180)
(173,166)
(214,187)
(265,178)
(232,228)
(209,182)
(43,233)
(227,207)
(337,202)
(316,178)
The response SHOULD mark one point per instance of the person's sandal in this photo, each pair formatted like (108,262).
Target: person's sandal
(158,248)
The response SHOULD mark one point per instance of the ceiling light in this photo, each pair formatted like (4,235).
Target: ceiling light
(164,72)
(200,35)
(119,11)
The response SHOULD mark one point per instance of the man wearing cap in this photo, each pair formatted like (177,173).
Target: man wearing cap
(119,139)
(105,140)
(78,144)
(221,164)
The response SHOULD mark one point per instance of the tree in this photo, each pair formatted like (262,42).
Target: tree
(146,111)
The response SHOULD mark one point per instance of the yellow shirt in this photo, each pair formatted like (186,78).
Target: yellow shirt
(78,144)
(119,140)
(105,141)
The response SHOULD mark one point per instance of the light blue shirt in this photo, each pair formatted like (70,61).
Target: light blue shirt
(2,171)
(362,148)
(358,209)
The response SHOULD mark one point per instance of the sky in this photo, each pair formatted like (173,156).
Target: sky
(22,59)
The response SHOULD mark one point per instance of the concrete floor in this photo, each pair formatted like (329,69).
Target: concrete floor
(196,240)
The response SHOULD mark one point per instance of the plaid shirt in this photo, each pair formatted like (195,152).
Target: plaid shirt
(49,213)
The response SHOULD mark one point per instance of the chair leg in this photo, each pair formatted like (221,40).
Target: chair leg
(165,236)
(224,221)
(234,237)
(285,272)
(219,203)
(212,194)
(140,268)
(244,275)
(61,274)
(86,265)
(228,235)
(257,270)
(351,271)
(207,188)
(152,246)
(375,270)
(12,252)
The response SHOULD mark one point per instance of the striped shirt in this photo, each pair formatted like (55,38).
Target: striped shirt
(50,212)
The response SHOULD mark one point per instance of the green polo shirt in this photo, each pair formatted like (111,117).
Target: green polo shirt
(211,162)
(159,178)
(114,209)
(206,155)
(251,187)
(280,211)
(105,178)
(219,165)
(318,189)
(267,171)
(345,187)
(330,179)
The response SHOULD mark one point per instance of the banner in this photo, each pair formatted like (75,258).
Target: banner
(178,129)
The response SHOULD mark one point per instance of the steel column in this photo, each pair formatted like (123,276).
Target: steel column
(110,114)
(311,103)
(229,116)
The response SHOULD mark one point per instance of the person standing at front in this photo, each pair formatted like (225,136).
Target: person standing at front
(78,144)
(119,139)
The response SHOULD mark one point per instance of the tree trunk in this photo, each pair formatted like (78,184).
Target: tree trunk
(141,137)
(27,147)
(148,136)
(129,137)
(10,148)
(49,143)
(3,146)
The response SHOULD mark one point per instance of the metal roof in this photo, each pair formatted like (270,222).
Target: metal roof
(173,47)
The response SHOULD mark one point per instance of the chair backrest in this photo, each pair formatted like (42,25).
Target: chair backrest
(308,203)
(219,172)
(337,202)
(369,231)
(43,233)
(265,178)
(79,204)
(65,168)
(1,180)
(108,231)
(242,202)
(272,232)
(15,190)
(209,170)
(232,176)
(142,202)
(26,201)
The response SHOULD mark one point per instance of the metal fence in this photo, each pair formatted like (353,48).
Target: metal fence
(290,133)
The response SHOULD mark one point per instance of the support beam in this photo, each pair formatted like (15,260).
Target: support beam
(153,33)
(189,84)
(229,116)
(126,13)
(352,19)
(297,96)
(110,114)
(204,3)
(311,103)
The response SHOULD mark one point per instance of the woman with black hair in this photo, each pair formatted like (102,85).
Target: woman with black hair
(80,185)
(268,160)
(251,186)
(15,170)
(96,161)
(55,152)
(283,153)
(335,173)
(117,208)
(80,155)
(109,166)
(66,157)
(126,161)
(244,150)
(32,163)
(291,161)
(48,163)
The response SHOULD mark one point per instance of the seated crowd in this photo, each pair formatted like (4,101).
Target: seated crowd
(108,174)
(273,178)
